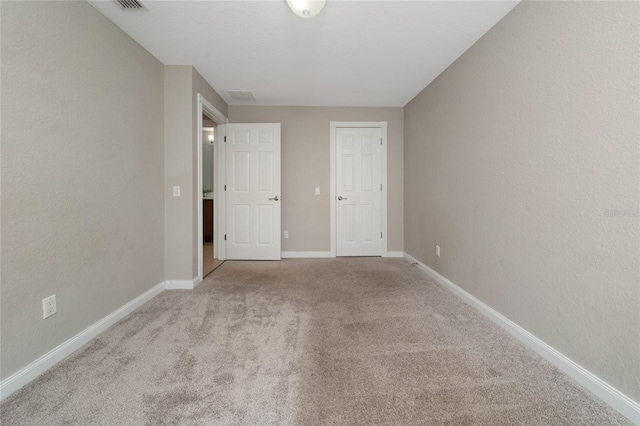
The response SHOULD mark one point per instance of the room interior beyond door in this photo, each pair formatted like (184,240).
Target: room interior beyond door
(209,259)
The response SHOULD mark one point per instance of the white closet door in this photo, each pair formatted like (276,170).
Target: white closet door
(359,191)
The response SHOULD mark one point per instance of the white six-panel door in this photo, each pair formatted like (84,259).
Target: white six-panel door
(359,192)
(253,191)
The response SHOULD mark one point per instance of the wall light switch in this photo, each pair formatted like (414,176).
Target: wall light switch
(49,306)
(438,251)
(176,191)
(317,191)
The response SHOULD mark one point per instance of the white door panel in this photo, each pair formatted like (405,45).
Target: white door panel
(358,189)
(253,191)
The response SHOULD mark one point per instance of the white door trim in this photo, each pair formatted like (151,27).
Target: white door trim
(204,106)
(332,172)
(220,205)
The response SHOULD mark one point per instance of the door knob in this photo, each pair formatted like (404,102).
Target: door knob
(340,198)
(276,198)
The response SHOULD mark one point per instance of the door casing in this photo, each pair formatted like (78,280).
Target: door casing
(334,125)
(204,106)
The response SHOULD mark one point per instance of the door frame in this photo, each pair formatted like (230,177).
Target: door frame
(204,106)
(334,125)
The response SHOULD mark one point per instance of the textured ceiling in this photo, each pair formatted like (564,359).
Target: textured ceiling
(354,53)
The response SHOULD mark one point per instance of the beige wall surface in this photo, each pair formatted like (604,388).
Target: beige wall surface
(521,162)
(181,86)
(178,171)
(201,86)
(305,165)
(82,154)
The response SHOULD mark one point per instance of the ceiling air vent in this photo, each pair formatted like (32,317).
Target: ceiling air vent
(241,95)
(130,5)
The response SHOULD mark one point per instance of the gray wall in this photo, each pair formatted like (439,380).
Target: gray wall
(305,165)
(178,171)
(199,85)
(515,158)
(181,87)
(82,154)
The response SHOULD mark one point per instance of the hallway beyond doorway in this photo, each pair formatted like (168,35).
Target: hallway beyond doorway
(209,262)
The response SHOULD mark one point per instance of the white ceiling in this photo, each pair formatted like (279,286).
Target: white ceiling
(354,53)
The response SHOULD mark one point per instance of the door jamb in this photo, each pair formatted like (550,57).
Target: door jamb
(334,125)
(204,106)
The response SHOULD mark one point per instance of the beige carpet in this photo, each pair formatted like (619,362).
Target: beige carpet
(307,342)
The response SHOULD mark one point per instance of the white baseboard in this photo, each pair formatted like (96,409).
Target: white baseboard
(51,358)
(394,254)
(616,399)
(306,254)
(197,282)
(325,254)
(182,284)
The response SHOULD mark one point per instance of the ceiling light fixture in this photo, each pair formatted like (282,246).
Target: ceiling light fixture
(306,8)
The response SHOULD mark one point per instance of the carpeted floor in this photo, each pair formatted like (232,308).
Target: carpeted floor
(307,342)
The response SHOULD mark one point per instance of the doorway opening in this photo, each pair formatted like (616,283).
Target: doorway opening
(210,128)
(210,260)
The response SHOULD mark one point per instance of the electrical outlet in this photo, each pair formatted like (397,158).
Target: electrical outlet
(176,191)
(286,235)
(49,306)
(438,251)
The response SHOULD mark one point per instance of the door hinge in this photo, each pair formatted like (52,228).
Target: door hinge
(380,141)
(225,187)
(381,235)
(225,237)
(380,187)
(225,138)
